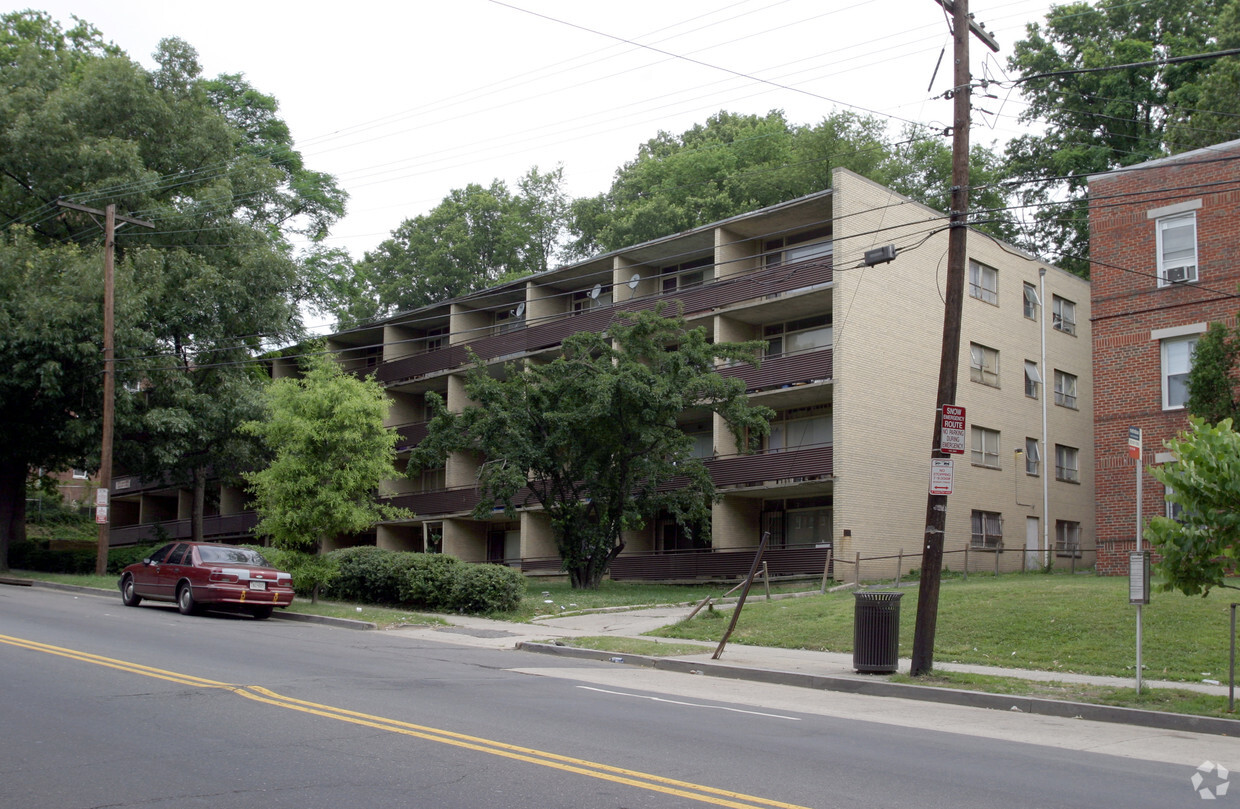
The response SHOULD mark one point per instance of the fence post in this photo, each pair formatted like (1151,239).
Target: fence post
(826,570)
(899,566)
(998,553)
(857,571)
(766,579)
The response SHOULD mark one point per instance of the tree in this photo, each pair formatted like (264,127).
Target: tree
(736,163)
(210,163)
(1212,378)
(1200,548)
(1208,111)
(593,435)
(330,451)
(475,238)
(1094,122)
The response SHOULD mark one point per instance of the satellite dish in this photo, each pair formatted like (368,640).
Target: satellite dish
(598,290)
(520,310)
(634,281)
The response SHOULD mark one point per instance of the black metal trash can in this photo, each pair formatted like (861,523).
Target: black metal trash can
(876,632)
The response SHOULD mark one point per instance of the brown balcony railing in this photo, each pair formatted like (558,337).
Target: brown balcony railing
(725,292)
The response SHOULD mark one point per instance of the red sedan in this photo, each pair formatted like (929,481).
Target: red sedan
(197,575)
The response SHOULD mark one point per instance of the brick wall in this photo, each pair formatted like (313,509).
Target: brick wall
(1128,305)
(1113,557)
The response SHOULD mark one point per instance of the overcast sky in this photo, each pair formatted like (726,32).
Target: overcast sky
(404,101)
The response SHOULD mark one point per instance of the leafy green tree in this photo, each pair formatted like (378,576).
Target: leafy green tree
(594,436)
(475,238)
(1200,548)
(736,163)
(1212,379)
(213,167)
(330,451)
(1208,111)
(50,332)
(1094,122)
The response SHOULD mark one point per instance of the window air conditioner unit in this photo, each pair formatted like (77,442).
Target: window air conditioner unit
(1178,275)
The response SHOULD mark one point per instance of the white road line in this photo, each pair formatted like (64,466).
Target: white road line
(689,704)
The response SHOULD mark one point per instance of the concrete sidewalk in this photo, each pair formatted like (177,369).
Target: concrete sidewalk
(831,671)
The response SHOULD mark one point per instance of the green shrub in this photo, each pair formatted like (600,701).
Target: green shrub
(36,555)
(429,580)
(368,575)
(120,558)
(485,588)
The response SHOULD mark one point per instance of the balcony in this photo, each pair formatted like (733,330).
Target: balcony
(758,285)
(220,527)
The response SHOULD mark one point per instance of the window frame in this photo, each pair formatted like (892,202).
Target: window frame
(1034,381)
(978,274)
(780,332)
(984,452)
(1063,315)
(1063,471)
(1031,301)
(1064,397)
(1164,370)
(986,539)
(1068,538)
(1033,457)
(1165,223)
(978,371)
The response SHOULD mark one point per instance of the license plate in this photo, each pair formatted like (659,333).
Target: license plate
(258,585)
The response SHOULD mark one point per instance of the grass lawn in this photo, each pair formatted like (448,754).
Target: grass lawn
(1080,623)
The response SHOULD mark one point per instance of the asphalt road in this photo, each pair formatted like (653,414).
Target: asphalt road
(105,706)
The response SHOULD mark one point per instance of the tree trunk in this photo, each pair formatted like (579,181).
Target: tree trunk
(12,507)
(199,500)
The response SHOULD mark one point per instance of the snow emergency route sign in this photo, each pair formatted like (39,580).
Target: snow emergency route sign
(951,432)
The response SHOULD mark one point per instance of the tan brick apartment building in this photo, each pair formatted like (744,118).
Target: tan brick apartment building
(1164,245)
(851,373)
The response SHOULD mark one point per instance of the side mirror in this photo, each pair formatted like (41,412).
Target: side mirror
(147,561)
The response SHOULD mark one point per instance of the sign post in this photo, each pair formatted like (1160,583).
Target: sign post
(1135,559)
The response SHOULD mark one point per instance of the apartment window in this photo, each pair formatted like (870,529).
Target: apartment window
(1063,315)
(1177,249)
(798,247)
(436,338)
(1033,456)
(81,474)
(1177,361)
(1065,389)
(796,336)
(985,447)
(1067,464)
(688,274)
(1033,379)
(1175,511)
(800,427)
(1031,302)
(431,480)
(987,529)
(509,319)
(587,299)
(1067,538)
(984,283)
(984,364)
(703,439)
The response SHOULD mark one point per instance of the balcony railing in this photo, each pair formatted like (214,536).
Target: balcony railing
(218,527)
(725,292)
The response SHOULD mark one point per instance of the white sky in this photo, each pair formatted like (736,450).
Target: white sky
(404,101)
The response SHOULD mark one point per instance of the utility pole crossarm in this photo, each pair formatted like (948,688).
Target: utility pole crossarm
(978,31)
(129,220)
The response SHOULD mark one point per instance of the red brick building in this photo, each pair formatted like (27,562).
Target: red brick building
(1165,262)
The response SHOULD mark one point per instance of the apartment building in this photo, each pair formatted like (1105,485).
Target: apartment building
(1164,239)
(850,370)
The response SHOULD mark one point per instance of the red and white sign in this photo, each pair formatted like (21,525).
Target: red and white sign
(941,476)
(101,515)
(951,430)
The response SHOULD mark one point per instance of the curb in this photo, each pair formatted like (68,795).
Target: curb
(883,688)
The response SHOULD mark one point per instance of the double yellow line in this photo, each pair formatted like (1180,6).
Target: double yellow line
(591,769)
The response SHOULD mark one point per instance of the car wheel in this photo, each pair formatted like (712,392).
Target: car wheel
(128,597)
(185,600)
(261,613)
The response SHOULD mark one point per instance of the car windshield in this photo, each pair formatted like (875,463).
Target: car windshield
(234,556)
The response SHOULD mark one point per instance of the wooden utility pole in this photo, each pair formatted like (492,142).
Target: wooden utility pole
(109,369)
(957,259)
